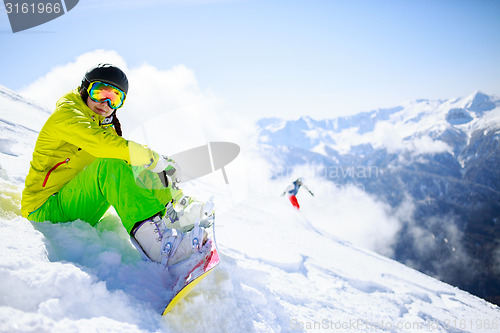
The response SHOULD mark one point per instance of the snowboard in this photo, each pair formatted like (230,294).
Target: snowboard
(193,270)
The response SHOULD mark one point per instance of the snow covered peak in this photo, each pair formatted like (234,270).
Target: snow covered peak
(480,102)
(389,128)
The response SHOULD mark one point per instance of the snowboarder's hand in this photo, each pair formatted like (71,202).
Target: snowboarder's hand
(171,168)
(282,194)
(173,171)
(158,163)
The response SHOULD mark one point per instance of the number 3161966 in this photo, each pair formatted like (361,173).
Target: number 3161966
(32,8)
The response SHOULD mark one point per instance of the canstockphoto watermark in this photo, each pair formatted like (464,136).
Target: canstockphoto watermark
(364,324)
(26,14)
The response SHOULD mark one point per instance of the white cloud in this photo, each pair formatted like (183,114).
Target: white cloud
(165,108)
(385,134)
(396,139)
(426,145)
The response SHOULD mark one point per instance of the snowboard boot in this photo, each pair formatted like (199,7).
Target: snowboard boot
(164,245)
(185,219)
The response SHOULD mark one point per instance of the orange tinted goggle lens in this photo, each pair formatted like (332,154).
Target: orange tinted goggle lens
(101,92)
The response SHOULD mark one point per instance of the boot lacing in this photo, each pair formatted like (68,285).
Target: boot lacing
(169,238)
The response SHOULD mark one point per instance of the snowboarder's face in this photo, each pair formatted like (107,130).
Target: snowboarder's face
(102,109)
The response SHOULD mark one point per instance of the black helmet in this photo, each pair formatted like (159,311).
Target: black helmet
(105,73)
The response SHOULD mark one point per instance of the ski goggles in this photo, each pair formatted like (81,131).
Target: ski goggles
(102,92)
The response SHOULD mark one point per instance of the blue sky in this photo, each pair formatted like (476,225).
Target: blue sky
(280,58)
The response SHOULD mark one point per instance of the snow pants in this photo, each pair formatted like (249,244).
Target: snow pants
(293,200)
(135,193)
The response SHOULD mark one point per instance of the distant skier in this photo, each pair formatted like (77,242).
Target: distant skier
(293,189)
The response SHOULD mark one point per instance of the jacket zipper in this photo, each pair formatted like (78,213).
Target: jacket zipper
(53,168)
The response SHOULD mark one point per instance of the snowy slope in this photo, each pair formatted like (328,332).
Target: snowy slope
(281,270)
(20,121)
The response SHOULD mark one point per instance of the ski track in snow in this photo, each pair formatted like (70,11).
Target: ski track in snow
(279,273)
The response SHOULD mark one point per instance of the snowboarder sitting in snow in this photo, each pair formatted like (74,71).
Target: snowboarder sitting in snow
(82,165)
(293,189)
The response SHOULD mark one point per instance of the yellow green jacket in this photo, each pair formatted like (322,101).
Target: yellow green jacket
(71,139)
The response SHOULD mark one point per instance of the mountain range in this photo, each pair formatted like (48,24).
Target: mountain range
(435,160)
